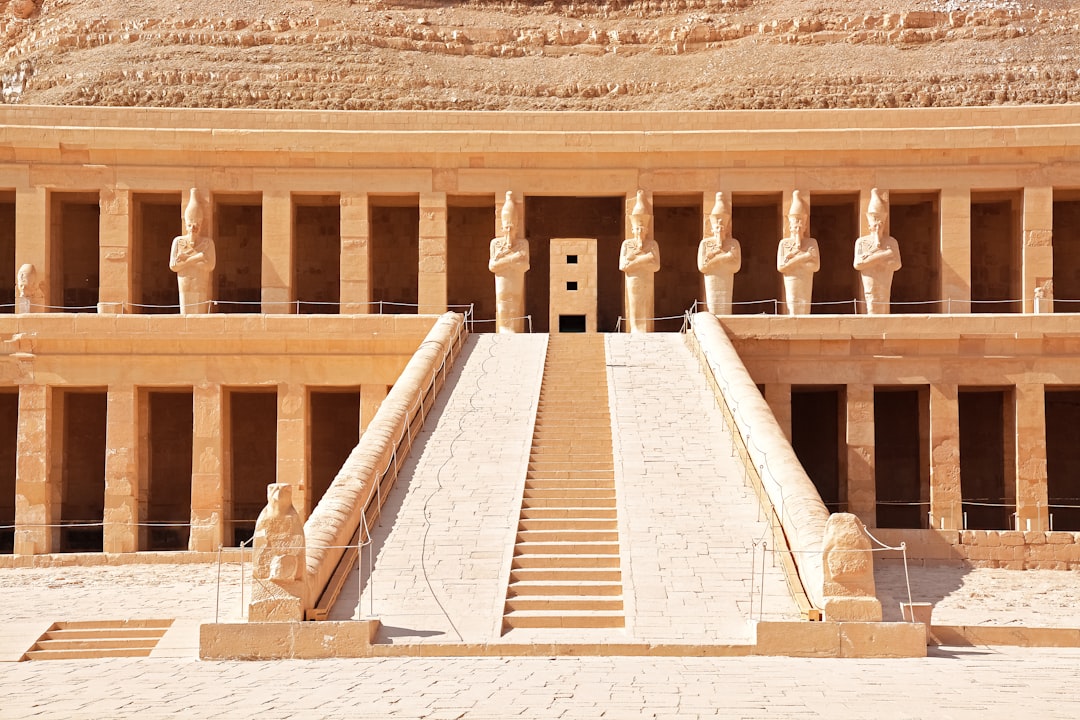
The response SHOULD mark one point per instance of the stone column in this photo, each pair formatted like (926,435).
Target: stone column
(861,487)
(431,283)
(37,492)
(121,533)
(1031,489)
(778,397)
(114,260)
(277,255)
(371,397)
(1038,251)
(955,250)
(208,491)
(355,253)
(945,495)
(32,222)
(292,443)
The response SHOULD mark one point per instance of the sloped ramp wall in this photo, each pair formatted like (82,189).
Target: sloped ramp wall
(797,502)
(382,448)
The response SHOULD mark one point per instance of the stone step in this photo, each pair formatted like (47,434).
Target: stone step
(581,576)
(159,623)
(135,643)
(562,502)
(600,482)
(563,604)
(553,524)
(87,654)
(566,548)
(101,633)
(534,588)
(570,536)
(569,474)
(551,513)
(570,465)
(569,492)
(565,561)
(558,619)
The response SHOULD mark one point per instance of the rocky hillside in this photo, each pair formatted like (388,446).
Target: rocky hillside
(522,55)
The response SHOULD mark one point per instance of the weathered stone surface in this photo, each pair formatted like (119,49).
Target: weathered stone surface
(848,564)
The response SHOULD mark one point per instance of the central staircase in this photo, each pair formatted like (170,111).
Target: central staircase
(565,571)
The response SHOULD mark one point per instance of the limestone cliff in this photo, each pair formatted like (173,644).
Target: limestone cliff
(520,54)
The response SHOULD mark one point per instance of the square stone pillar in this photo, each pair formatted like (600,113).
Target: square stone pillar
(355,253)
(32,246)
(1031,490)
(778,398)
(277,256)
(371,397)
(945,495)
(121,471)
(956,250)
(292,443)
(37,492)
(114,260)
(861,488)
(1038,249)
(431,281)
(649,287)
(208,491)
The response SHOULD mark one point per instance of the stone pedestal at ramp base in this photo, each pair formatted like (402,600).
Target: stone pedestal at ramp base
(852,609)
(841,639)
(286,640)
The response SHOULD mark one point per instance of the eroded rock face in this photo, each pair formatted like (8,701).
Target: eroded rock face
(633,55)
(848,565)
(23,9)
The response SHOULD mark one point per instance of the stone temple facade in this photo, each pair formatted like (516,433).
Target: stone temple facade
(950,413)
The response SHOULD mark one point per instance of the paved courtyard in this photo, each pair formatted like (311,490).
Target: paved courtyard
(951,683)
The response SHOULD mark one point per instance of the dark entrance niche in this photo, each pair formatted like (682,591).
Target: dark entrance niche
(82,469)
(333,432)
(571,323)
(915,222)
(238,244)
(757,223)
(995,251)
(157,221)
(986,476)
(169,421)
(1063,457)
(252,452)
(395,253)
(575,217)
(901,456)
(7,252)
(9,433)
(818,438)
(316,242)
(74,232)
(1066,240)
(834,223)
(677,224)
(470,226)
